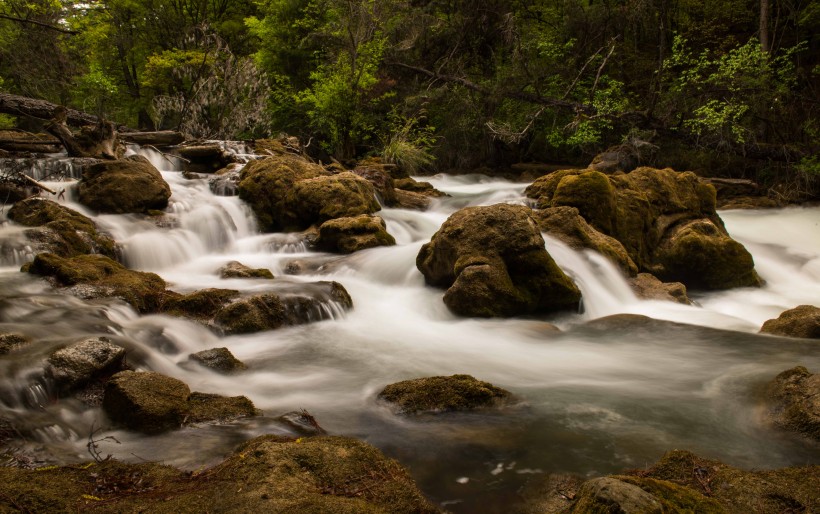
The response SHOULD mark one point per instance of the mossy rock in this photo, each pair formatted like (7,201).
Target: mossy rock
(567,225)
(12,341)
(201,305)
(443,394)
(592,194)
(64,232)
(348,235)
(802,321)
(319,199)
(235,269)
(417,186)
(130,185)
(220,360)
(649,287)
(208,408)
(493,262)
(380,179)
(794,400)
(267,474)
(97,276)
(703,256)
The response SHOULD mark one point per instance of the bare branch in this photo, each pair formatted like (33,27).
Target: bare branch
(38,23)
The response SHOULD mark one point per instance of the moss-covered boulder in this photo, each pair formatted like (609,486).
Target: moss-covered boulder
(701,255)
(348,235)
(97,276)
(200,305)
(235,269)
(130,185)
(377,175)
(802,321)
(82,362)
(220,360)
(649,287)
(493,262)
(567,225)
(287,192)
(63,231)
(794,400)
(417,186)
(443,394)
(267,474)
(153,403)
(11,341)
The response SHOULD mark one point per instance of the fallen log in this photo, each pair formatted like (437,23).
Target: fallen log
(99,141)
(41,109)
(158,138)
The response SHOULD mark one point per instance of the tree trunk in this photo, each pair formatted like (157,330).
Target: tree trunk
(764,26)
(99,141)
(24,106)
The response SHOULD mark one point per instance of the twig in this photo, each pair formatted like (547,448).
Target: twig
(93,447)
(601,69)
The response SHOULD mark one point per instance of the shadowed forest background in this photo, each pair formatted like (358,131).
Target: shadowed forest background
(726,87)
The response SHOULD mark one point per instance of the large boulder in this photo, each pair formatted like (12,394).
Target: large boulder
(802,321)
(443,394)
(97,276)
(62,231)
(153,403)
(348,235)
(794,399)
(661,217)
(288,193)
(85,361)
(493,262)
(130,185)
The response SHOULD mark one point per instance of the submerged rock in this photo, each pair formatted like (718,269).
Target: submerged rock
(348,235)
(493,262)
(443,394)
(802,321)
(97,276)
(235,269)
(267,474)
(794,399)
(85,361)
(11,341)
(220,360)
(130,185)
(649,287)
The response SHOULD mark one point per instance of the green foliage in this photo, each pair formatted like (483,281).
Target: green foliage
(409,143)
(95,90)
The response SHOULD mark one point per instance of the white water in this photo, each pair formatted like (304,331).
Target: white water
(594,400)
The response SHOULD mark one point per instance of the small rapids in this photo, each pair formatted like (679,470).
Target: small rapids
(595,397)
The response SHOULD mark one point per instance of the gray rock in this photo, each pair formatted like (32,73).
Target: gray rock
(218,359)
(83,362)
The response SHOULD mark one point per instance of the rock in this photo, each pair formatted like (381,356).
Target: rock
(12,192)
(735,193)
(348,235)
(226,181)
(83,362)
(11,341)
(97,276)
(64,232)
(204,157)
(130,185)
(236,269)
(381,180)
(802,321)
(302,422)
(794,399)
(567,225)
(625,158)
(443,394)
(220,360)
(415,186)
(608,494)
(411,200)
(153,403)
(201,305)
(493,262)
(267,474)
(648,287)
(338,196)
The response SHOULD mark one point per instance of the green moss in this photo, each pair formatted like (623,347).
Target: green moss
(348,235)
(202,305)
(592,194)
(443,394)
(130,185)
(202,407)
(543,189)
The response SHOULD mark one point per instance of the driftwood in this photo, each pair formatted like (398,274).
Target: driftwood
(99,140)
(37,184)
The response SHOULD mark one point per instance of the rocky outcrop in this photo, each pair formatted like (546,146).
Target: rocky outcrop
(348,235)
(802,321)
(794,400)
(62,231)
(443,394)
(649,287)
(80,363)
(235,269)
(153,403)
(289,193)
(665,221)
(267,474)
(220,360)
(130,185)
(492,261)
(97,276)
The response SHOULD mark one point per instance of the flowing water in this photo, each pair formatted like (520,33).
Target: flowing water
(595,397)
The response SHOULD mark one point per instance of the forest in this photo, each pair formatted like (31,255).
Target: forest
(723,87)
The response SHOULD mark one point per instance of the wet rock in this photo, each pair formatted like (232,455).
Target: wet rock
(83,362)
(802,321)
(551,493)
(794,399)
(201,157)
(64,232)
(348,235)
(235,269)
(220,360)
(130,185)
(267,474)
(338,196)
(381,180)
(567,225)
(493,263)
(11,341)
(624,158)
(302,422)
(97,276)
(11,192)
(416,186)
(649,287)
(153,403)
(412,201)
(443,394)
(201,305)
(612,495)
(226,181)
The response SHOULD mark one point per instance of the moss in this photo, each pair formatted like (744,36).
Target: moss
(253,314)
(130,185)
(543,189)
(592,194)
(202,407)
(319,199)
(415,186)
(793,401)
(202,305)
(443,394)
(802,321)
(348,235)
(220,360)
(236,269)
